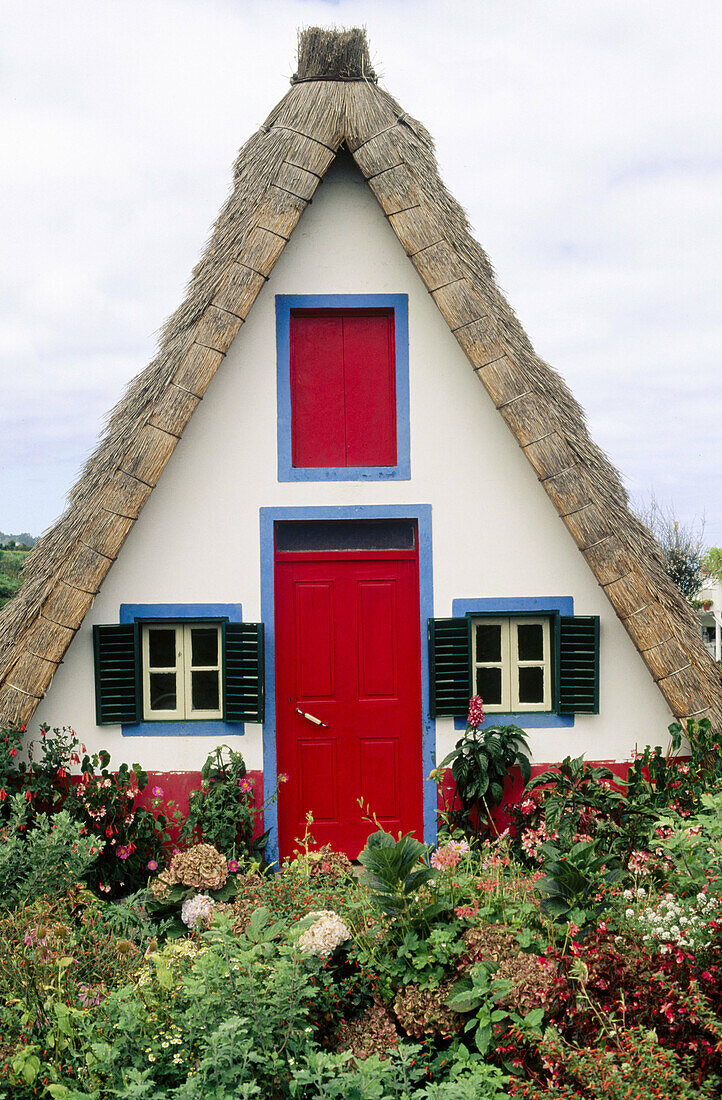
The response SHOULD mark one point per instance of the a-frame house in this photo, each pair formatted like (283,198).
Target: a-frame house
(351,534)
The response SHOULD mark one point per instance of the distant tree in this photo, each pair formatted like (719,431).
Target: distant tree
(712,563)
(681,544)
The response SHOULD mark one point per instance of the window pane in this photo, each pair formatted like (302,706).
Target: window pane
(334,534)
(162,691)
(161,647)
(488,685)
(530,641)
(204,645)
(531,685)
(205,690)
(488,642)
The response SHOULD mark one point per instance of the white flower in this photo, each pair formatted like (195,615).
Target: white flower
(196,907)
(641,892)
(627,895)
(629,913)
(324,935)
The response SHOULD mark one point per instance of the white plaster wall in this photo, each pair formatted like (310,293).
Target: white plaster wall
(495,533)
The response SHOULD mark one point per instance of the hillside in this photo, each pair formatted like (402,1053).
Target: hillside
(23,539)
(11,563)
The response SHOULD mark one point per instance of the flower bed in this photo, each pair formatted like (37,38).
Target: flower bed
(578,957)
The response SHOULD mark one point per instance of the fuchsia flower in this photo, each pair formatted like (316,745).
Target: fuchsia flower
(283,778)
(476,712)
(233,866)
(152,864)
(157,792)
(246,785)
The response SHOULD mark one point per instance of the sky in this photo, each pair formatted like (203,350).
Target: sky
(584,140)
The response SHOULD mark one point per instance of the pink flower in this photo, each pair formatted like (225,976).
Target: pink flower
(246,785)
(152,864)
(157,792)
(283,778)
(467,911)
(449,855)
(233,866)
(122,852)
(476,712)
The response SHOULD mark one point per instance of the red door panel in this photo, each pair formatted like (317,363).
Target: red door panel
(347,653)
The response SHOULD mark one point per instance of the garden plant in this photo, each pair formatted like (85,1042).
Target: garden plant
(575,954)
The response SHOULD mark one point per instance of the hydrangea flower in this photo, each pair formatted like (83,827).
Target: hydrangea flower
(196,908)
(324,935)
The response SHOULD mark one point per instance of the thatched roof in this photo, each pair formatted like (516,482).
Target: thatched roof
(335,101)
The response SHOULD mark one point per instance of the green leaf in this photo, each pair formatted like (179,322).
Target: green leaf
(29,1068)
(483,1038)
(534,1018)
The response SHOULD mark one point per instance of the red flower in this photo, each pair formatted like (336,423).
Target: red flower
(13,751)
(476,712)
(28,795)
(3,794)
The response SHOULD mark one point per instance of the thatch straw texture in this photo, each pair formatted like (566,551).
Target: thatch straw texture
(275,176)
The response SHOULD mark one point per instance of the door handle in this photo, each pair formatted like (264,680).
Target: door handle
(311,718)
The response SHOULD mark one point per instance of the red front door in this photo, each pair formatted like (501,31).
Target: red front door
(347,654)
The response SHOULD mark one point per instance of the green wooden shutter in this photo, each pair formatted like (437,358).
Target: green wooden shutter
(243,687)
(578,664)
(117,674)
(449,667)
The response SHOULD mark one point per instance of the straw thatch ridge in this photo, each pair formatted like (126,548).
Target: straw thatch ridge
(275,177)
(325,53)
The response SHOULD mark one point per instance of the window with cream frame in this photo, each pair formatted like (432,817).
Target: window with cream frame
(182,671)
(511,663)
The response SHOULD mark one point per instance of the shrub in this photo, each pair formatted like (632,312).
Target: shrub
(661,781)
(373,1032)
(630,1066)
(44,859)
(480,763)
(223,811)
(611,979)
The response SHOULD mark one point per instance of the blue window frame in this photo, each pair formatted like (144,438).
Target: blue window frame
(510,606)
(399,303)
(178,613)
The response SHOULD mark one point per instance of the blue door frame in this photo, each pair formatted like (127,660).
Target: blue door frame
(268,517)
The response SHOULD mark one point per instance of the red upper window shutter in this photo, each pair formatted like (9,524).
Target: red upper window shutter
(343,388)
